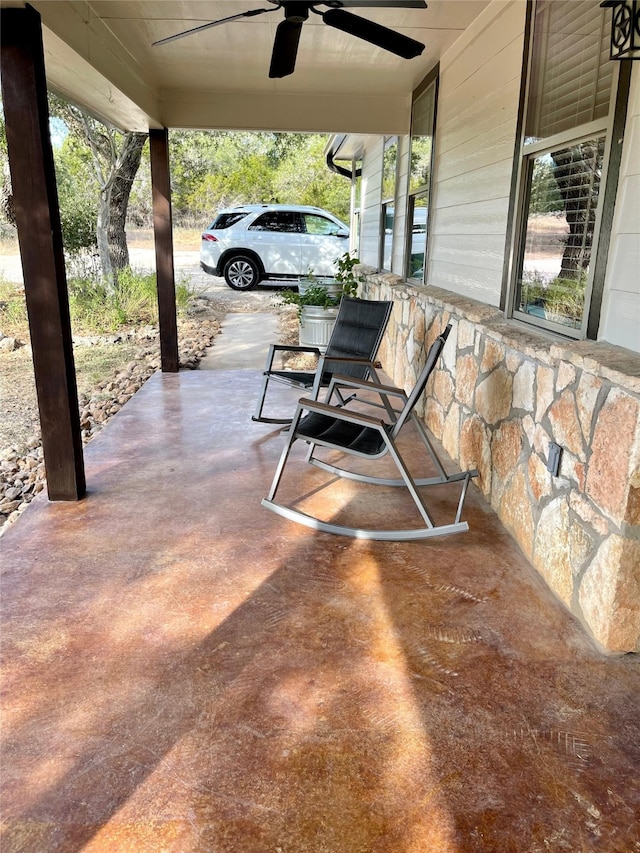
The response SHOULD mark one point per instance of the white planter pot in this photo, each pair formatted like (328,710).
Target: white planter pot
(316,325)
(332,286)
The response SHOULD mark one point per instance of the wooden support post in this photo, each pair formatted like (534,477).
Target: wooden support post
(24,95)
(163,233)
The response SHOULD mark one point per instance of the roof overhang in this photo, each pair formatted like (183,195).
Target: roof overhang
(99,54)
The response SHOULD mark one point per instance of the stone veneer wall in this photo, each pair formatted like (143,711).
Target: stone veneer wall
(500,396)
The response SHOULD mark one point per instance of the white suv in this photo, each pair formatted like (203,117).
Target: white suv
(252,242)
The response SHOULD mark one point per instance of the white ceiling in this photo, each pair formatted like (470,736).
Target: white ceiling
(100,54)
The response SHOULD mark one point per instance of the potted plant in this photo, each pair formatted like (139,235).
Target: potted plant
(318,301)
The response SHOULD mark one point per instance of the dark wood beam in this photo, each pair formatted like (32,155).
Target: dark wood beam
(24,95)
(163,234)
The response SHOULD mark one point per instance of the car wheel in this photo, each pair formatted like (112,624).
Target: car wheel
(241,273)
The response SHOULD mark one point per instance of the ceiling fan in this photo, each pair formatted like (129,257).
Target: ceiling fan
(296,12)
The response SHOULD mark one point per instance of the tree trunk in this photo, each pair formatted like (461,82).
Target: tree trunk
(124,175)
(576,176)
(102,230)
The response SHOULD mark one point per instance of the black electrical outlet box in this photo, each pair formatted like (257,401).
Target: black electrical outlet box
(553,460)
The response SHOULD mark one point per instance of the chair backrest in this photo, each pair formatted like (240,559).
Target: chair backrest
(358,332)
(432,358)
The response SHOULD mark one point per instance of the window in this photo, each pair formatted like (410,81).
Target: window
(278,220)
(320,225)
(389,172)
(226,220)
(563,163)
(421,154)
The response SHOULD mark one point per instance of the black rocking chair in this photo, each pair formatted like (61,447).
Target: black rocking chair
(351,350)
(357,434)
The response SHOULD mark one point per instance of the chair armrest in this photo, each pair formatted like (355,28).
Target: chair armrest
(349,382)
(348,359)
(339,413)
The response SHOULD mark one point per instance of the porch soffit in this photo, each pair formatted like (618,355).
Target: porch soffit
(99,54)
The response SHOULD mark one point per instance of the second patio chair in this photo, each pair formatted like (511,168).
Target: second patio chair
(357,434)
(351,351)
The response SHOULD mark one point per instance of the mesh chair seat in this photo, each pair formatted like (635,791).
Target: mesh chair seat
(360,440)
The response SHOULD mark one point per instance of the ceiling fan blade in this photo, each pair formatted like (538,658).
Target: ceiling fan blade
(377,4)
(374,33)
(250,14)
(285,48)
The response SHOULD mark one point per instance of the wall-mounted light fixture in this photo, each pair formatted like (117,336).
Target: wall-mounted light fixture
(625,28)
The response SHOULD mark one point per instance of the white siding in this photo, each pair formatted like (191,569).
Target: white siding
(400,214)
(621,315)
(474,147)
(371,201)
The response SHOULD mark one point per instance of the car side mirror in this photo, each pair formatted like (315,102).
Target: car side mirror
(342,234)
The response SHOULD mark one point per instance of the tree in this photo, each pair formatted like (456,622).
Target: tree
(7,211)
(577,176)
(115,158)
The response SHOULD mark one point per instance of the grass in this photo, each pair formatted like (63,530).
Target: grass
(96,307)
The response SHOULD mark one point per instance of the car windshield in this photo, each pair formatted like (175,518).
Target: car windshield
(226,220)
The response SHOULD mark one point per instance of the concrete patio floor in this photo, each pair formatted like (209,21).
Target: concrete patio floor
(185,671)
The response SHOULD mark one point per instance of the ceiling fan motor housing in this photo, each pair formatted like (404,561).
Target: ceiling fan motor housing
(295,11)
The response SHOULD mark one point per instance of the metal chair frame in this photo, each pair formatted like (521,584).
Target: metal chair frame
(348,351)
(387,444)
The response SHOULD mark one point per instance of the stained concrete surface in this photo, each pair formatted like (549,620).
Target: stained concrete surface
(185,671)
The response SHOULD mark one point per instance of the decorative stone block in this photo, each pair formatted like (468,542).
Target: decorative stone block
(493,355)
(614,438)
(513,360)
(545,391)
(451,431)
(506,447)
(466,334)
(523,387)
(586,398)
(552,552)
(475,450)
(443,387)
(539,478)
(515,509)
(564,422)
(434,417)
(466,378)
(494,395)
(566,375)
(411,350)
(609,594)
(451,348)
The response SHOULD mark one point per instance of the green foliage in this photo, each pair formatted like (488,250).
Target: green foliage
(345,274)
(318,294)
(96,307)
(562,299)
(77,195)
(545,195)
(212,169)
(13,308)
